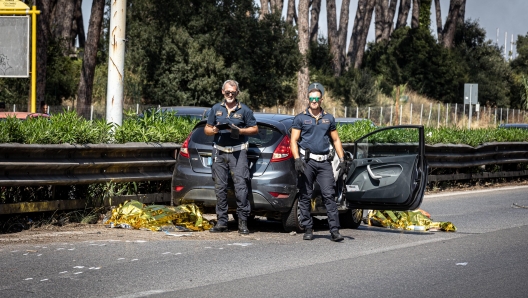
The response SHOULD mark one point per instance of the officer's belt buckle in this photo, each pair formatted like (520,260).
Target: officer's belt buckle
(231,149)
(316,157)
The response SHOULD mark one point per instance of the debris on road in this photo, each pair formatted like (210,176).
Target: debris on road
(136,215)
(417,220)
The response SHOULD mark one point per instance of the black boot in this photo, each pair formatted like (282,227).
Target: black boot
(242,227)
(335,236)
(308,235)
(218,229)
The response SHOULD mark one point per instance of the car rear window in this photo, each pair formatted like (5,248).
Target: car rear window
(266,136)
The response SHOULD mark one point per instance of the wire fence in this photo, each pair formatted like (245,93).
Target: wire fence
(433,115)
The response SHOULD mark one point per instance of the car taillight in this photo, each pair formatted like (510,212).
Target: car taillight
(184,150)
(283,151)
(178,188)
(279,195)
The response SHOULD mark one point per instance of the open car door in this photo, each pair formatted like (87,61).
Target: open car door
(389,170)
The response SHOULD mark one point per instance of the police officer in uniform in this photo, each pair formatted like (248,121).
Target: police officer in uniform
(231,122)
(312,131)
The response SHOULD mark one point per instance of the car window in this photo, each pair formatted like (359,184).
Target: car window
(266,136)
(393,142)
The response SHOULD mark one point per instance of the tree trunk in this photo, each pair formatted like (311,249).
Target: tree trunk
(303,76)
(78,24)
(264,8)
(448,33)
(63,25)
(415,22)
(314,23)
(362,40)
(342,33)
(276,6)
(333,42)
(379,17)
(84,91)
(291,15)
(403,12)
(462,13)
(359,32)
(438,20)
(389,20)
(42,49)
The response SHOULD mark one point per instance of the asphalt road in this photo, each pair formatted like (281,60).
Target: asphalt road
(486,257)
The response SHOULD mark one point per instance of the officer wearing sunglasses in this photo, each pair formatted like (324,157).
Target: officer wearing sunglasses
(231,122)
(312,131)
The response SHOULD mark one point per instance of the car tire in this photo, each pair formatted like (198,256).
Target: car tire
(290,220)
(351,219)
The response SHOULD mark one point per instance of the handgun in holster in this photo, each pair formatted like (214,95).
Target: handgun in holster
(306,154)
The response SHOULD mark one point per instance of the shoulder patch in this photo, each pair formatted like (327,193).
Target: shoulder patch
(218,113)
(237,116)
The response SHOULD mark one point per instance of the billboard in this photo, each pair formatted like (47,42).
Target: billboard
(14,46)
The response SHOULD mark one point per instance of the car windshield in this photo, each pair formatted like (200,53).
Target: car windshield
(266,136)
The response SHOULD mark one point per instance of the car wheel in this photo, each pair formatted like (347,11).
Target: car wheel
(351,219)
(291,220)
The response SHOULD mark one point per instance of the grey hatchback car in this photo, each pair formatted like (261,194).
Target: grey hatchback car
(273,191)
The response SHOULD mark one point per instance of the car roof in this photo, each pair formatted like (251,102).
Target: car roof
(185,110)
(514,125)
(347,119)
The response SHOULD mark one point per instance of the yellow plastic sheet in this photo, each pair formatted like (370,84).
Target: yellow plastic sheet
(407,220)
(153,217)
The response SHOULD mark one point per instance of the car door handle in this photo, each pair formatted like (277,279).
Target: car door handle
(374,176)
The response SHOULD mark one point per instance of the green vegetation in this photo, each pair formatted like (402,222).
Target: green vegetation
(69,128)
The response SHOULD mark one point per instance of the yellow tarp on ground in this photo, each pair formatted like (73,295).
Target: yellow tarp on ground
(407,220)
(153,217)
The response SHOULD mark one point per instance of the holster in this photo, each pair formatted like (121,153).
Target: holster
(307,154)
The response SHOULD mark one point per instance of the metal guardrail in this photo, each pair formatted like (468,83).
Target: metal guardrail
(23,165)
(64,164)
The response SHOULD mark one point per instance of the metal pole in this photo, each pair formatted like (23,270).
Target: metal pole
(430,111)
(495,122)
(507,114)
(14,107)
(447,114)
(381,116)
(421,114)
(456,109)
(390,121)
(345,111)
(410,118)
(438,121)
(401,112)
(357,112)
(368,117)
(91,112)
(470,104)
(116,62)
(137,109)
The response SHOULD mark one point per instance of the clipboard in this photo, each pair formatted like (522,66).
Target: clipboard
(222,126)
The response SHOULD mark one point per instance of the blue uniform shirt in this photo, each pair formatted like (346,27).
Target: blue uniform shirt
(242,117)
(315,134)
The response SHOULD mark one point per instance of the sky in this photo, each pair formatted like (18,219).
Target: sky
(508,16)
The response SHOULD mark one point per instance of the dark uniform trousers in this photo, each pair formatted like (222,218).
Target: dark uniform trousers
(322,172)
(236,163)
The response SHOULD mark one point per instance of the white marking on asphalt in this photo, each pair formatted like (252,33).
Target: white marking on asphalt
(241,244)
(456,193)
(462,264)
(63,272)
(133,260)
(79,267)
(77,272)
(44,279)
(120,259)
(29,278)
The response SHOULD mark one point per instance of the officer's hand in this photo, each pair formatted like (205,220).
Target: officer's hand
(300,166)
(342,167)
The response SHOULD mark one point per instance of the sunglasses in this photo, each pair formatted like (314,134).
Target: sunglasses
(230,93)
(314,98)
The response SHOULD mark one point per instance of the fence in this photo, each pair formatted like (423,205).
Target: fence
(435,115)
